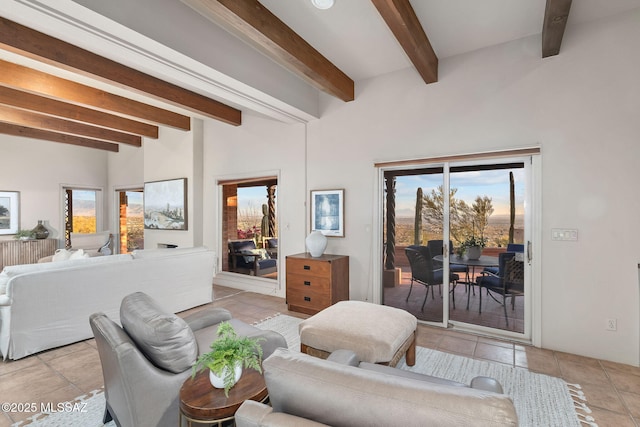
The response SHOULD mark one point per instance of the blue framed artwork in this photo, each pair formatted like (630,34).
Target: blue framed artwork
(327,212)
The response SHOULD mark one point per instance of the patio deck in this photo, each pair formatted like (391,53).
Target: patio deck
(492,313)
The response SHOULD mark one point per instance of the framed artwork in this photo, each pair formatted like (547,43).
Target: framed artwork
(165,204)
(327,212)
(9,212)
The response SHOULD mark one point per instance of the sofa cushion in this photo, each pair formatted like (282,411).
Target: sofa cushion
(164,338)
(14,270)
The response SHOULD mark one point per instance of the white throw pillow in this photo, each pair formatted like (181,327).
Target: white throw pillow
(79,254)
(61,255)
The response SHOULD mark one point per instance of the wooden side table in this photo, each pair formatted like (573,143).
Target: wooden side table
(201,403)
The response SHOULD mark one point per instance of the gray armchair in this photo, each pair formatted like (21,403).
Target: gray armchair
(145,362)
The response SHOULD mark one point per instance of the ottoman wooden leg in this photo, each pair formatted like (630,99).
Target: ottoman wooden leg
(410,356)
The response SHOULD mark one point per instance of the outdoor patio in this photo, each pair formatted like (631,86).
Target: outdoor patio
(492,313)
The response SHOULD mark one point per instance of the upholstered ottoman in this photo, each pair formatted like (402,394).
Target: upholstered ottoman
(376,333)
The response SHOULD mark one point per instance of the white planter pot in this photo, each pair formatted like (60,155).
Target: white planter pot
(218,381)
(474,252)
(316,243)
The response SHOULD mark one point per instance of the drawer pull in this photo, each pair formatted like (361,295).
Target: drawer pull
(307,298)
(307,267)
(307,283)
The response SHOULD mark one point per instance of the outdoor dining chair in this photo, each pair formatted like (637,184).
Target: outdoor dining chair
(422,272)
(509,282)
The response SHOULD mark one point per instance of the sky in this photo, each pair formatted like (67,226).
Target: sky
(251,199)
(494,184)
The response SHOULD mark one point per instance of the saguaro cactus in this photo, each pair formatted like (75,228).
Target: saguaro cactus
(417,225)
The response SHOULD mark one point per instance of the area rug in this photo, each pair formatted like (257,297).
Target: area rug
(540,400)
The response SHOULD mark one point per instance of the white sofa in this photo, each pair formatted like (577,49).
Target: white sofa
(47,305)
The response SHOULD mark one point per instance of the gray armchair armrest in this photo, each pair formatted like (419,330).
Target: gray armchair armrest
(207,317)
(344,357)
(348,357)
(252,413)
(255,414)
(486,384)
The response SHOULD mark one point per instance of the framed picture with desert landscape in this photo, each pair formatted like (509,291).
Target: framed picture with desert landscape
(327,212)
(9,212)
(165,204)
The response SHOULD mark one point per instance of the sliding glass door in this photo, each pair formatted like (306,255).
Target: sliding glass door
(471,220)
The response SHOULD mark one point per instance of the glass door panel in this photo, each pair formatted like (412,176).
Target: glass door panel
(412,278)
(487,218)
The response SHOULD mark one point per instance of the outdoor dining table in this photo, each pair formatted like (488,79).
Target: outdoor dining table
(483,261)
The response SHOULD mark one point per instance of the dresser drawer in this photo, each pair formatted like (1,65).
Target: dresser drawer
(308,267)
(299,281)
(307,298)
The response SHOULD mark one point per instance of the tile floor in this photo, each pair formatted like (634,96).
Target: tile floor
(613,390)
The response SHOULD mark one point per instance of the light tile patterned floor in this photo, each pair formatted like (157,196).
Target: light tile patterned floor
(613,390)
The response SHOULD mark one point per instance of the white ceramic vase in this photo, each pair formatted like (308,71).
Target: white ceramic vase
(474,252)
(316,243)
(218,381)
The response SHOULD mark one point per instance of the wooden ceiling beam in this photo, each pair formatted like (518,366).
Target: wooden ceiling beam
(405,26)
(30,80)
(40,121)
(556,15)
(55,108)
(9,129)
(255,24)
(36,45)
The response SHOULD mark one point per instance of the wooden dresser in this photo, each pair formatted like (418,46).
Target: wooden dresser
(14,252)
(314,284)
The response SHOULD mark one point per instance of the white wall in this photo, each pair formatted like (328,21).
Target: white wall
(257,148)
(171,156)
(38,169)
(580,107)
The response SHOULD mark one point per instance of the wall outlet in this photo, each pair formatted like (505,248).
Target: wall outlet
(612,325)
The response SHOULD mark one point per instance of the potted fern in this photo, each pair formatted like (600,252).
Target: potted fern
(24,235)
(228,356)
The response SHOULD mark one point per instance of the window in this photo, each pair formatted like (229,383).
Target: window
(131,219)
(249,218)
(81,207)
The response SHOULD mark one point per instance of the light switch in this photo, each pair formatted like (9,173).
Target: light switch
(567,234)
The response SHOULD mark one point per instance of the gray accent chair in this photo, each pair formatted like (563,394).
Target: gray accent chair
(145,362)
(342,392)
